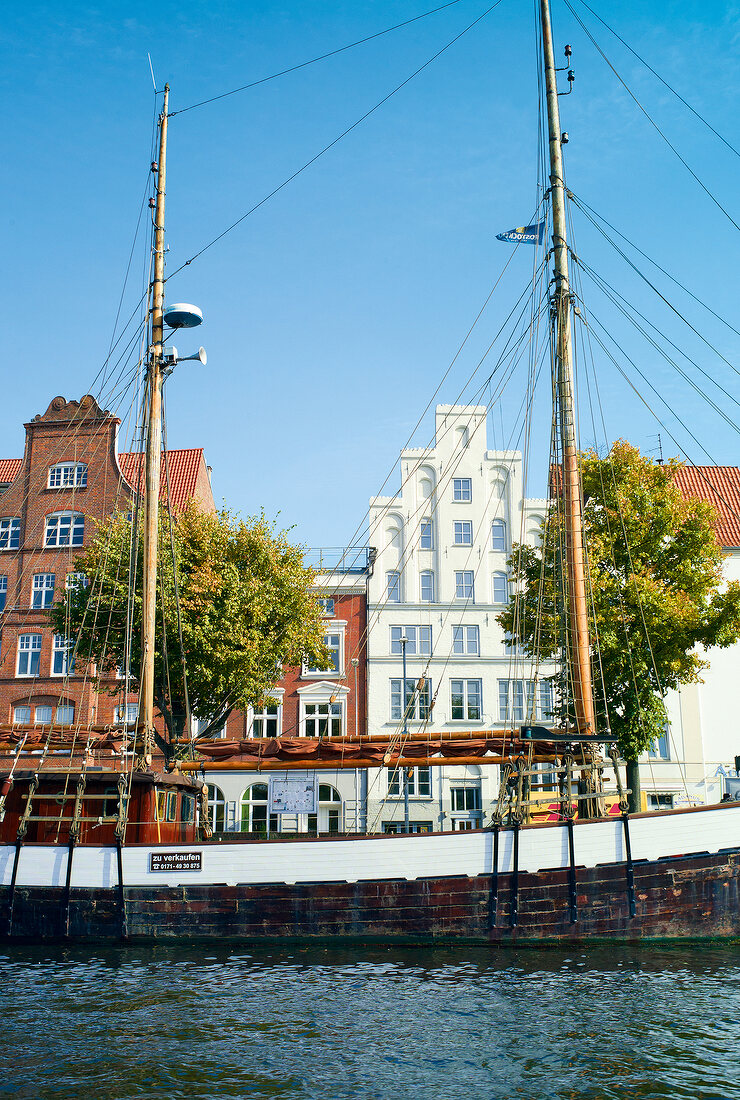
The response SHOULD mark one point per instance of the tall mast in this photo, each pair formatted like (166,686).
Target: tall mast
(153,446)
(580,657)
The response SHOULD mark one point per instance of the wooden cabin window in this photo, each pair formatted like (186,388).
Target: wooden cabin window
(172,805)
(161,796)
(187,809)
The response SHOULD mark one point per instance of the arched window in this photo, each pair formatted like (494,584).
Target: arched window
(10,533)
(426,586)
(498,535)
(64,529)
(68,475)
(500,588)
(254,811)
(216,808)
(329,816)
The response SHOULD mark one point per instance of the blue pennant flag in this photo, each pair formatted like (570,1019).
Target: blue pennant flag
(524,234)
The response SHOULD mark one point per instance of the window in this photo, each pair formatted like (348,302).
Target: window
(393,586)
(42,715)
(62,661)
(465,799)
(419,780)
(466,639)
(498,535)
(10,533)
(68,475)
(326,603)
(22,716)
(464,533)
(660,801)
(517,701)
(465,697)
(427,586)
(127,715)
(329,816)
(42,593)
(417,702)
(500,588)
(75,581)
(396,827)
(216,808)
(187,809)
(171,811)
(660,749)
(419,640)
(254,811)
(464,584)
(65,714)
(323,719)
(333,643)
(462,489)
(426,539)
(29,654)
(64,529)
(3,592)
(511,647)
(266,722)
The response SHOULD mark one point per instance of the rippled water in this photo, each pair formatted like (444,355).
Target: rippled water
(469,1023)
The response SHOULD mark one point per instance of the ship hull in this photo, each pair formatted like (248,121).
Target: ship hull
(690,892)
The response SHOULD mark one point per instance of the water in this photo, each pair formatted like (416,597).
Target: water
(205,1022)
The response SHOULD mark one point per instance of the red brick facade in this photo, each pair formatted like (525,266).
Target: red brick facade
(77,434)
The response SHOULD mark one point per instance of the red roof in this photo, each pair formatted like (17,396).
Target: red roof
(720,485)
(184,466)
(9,469)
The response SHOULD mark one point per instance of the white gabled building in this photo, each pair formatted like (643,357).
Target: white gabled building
(440,579)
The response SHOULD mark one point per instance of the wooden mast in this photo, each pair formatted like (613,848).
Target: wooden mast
(153,450)
(579,646)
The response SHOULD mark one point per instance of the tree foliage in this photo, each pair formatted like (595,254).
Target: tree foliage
(247,611)
(657,588)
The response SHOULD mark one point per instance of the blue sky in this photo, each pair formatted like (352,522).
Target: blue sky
(334,310)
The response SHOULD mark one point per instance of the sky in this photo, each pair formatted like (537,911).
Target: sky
(334,310)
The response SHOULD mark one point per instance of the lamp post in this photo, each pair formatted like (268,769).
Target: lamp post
(406,704)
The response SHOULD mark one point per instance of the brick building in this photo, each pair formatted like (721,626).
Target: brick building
(70,476)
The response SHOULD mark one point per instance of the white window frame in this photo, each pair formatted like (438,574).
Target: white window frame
(471,692)
(262,723)
(61,654)
(74,581)
(29,646)
(63,719)
(337,630)
(426,573)
(422,705)
(22,715)
(419,777)
(328,719)
(419,640)
(42,590)
(40,715)
(466,790)
(327,606)
(466,640)
(426,535)
(10,532)
(462,490)
(60,523)
(499,579)
(515,699)
(67,475)
(3,591)
(461,584)
(498,535)
(463,532)
(126,714)
(393,586)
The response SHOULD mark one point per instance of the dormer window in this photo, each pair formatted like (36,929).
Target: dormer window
(64,529)
(10,533)
(68,475)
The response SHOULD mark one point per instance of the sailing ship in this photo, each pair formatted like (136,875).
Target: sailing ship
(96,843)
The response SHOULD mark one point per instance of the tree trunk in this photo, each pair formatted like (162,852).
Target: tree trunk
(633,782)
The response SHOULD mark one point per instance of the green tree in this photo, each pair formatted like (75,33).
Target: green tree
(246,604)
(656,586)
